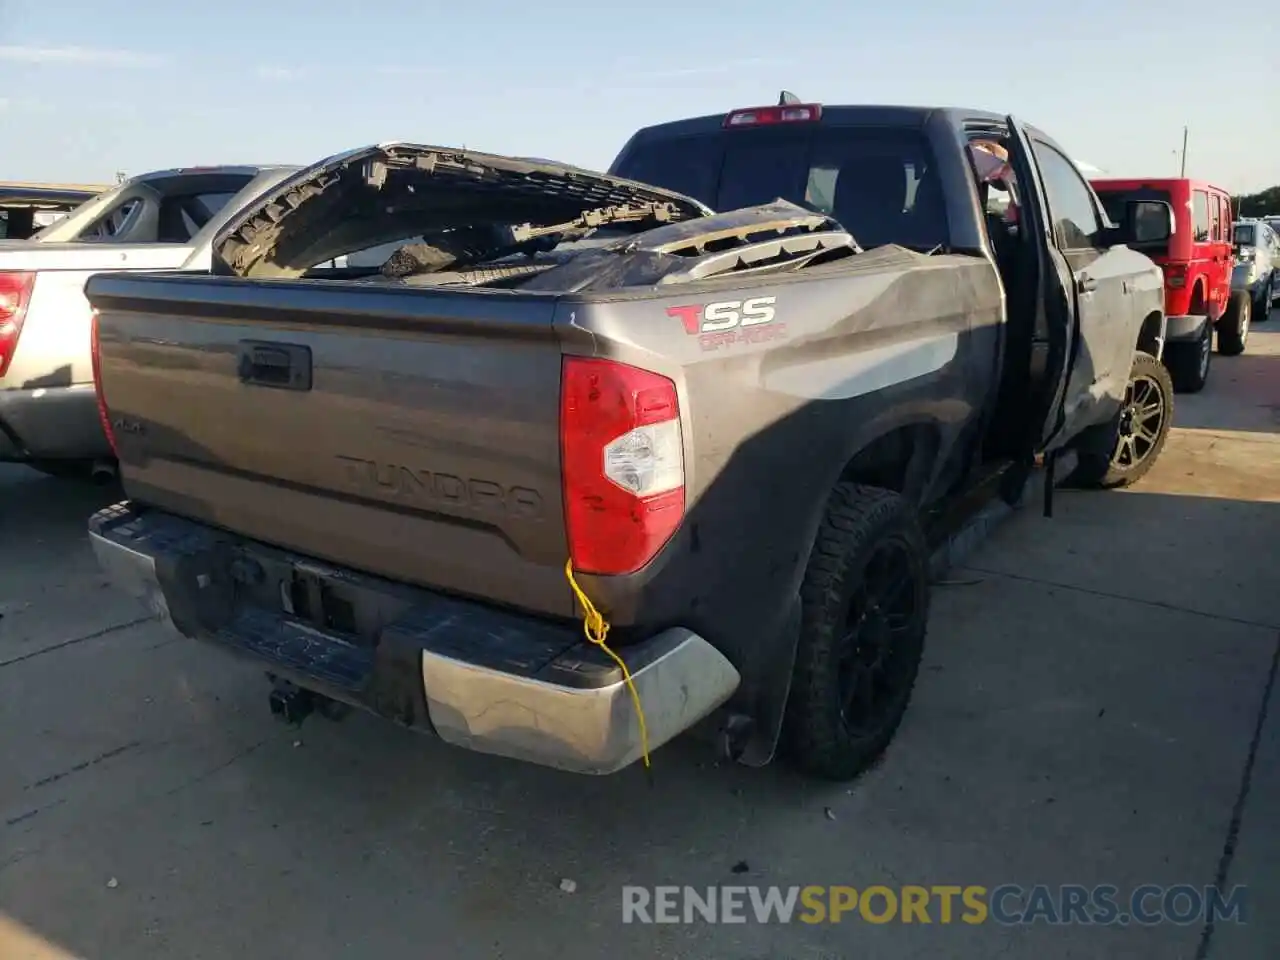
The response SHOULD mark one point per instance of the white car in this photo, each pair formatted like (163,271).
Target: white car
(158,221)
(28,207)
(1257,268)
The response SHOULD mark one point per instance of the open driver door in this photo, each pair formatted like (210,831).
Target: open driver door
(1045,293)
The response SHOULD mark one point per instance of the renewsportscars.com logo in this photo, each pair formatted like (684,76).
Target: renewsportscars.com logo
(1007,905)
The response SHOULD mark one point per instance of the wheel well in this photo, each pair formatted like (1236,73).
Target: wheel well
(1197,299)
(899,460)
(1149,334)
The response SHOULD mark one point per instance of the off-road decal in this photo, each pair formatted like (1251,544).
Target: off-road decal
(726,323)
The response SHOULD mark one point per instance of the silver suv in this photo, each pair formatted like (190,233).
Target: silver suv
(1257,268)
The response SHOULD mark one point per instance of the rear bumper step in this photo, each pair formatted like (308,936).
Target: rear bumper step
(1181,329)
(479,677)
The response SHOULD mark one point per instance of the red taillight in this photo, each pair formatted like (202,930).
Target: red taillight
(784,113)
(15,292)
(623,464)
(95,357)
(1175,274)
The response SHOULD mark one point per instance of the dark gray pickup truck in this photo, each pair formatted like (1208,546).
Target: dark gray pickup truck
(740,428)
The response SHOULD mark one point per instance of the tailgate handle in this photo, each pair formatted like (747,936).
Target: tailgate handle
(285,366)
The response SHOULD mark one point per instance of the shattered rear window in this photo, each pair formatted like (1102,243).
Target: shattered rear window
(879,182)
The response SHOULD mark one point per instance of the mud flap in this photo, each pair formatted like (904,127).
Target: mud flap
(1050,466)
(1162,338)
(773,688)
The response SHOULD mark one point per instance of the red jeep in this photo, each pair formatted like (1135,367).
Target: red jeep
(1197,266)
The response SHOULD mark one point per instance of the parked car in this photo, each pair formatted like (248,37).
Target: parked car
(729,435)
(1257,268)
(1197,265)
(26,208)
(159,221)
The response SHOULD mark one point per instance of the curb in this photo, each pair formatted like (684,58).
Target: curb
(960,545)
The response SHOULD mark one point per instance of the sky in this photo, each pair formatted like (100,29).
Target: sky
(89,89)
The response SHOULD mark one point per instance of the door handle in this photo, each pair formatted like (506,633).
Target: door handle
(285,366)
(1086,284)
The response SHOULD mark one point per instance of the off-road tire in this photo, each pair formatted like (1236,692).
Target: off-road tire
(1189,362)
(1098,465)
(861,524)
(1233,326)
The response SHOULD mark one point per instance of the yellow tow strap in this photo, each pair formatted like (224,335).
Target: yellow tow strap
(596,627)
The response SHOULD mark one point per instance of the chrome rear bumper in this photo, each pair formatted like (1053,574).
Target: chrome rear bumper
(682,679)
(542,695)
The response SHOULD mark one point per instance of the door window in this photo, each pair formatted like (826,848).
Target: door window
(1215,218)
(1200,217)
(112,224)
(1075,217)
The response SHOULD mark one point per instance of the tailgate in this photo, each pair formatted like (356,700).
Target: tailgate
(407,433)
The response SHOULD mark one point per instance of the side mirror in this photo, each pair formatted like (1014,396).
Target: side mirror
(1147,223)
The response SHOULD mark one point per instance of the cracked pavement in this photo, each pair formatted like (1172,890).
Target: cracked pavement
(1091,711)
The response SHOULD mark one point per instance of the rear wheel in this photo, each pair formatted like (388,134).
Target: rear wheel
(1121,452)
(1233,327)
(1262,309)
(865,601)
(1188,363)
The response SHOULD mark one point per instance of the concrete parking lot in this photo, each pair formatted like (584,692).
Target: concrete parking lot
(1092,710)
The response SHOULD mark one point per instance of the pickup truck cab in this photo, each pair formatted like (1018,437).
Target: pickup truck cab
(165,220)
(720,443)
(1197,262)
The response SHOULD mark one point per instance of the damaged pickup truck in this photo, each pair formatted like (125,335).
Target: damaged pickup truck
(736,428)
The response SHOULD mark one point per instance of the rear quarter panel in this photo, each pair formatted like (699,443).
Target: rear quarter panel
(1211,270)
(774,412)
(53,350)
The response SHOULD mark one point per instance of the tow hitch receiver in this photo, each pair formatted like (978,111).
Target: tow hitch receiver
(292,704)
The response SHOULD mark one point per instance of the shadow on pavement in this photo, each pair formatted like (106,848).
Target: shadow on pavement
(35,505)
(1243,393)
